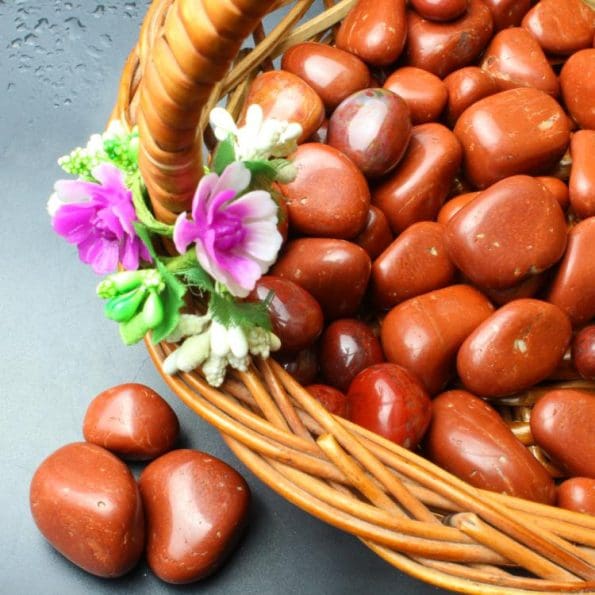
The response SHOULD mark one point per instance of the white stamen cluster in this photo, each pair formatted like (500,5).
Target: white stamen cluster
(258,138)
(211,346)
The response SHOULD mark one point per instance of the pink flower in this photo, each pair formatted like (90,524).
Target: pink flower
(98,218)
(236,239)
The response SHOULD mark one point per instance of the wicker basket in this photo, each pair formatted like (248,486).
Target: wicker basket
(416,516)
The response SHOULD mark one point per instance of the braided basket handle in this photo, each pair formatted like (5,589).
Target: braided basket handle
(185,47)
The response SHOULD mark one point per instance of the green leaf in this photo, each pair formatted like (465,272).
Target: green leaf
(244,314)
(144,214)
(196,276)
(172,300)
(225,154)
(262,169)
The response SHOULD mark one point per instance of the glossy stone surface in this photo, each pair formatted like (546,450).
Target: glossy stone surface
(518,346)
(583,352)
(296,317)
(452,206)
(441,48)
(333,73)
(303,365)
(561,27)
(416,262)
(376,235)
(329,197)
(86,503)
(515,59)
(563,424)
(285,96)
(374,30)
(577,80)
(335,272)
(424,93)
(196,508)
(581,185)
(469,438)
(465,86)
(423,334)
(507,13)
(333,400)
(525,289)
(521,131)
(372,127)
(389,400)
(512,230)
(347,347)
(558,189)
(578,494)
(440,10)
(416,190)
(573,287)
(131,420)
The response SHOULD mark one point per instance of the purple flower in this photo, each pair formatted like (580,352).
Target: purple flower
(236,239)
(98,218)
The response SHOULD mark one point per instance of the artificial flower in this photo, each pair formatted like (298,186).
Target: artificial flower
(212,346)
(259,138)
(236,235)
(98,218)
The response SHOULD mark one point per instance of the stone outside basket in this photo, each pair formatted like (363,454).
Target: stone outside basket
(413,514)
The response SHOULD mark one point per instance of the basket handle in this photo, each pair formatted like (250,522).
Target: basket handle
(185,48)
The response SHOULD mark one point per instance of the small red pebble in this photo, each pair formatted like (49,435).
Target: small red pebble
(132,421)
(330,398)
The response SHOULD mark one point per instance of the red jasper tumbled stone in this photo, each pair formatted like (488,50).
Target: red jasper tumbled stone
(329,196)
(85,502)
(347,347)
(389,400)
(513,230)
(296,317)
(131,420)
(196,507)
(372,127)
(333,73)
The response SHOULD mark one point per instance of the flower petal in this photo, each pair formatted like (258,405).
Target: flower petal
(109,176)
(255,205)
(222,123)
(185,232)
(74,222)
(203,192)
(235,176)
(262,242)
(100,253)
(74,190)
(254,120)
(129,253)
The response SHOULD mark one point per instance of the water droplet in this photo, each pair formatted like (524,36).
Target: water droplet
(67,101)
(73,21)
(99,11)
(10,85)
(41,23)
(30,39)
(16,43)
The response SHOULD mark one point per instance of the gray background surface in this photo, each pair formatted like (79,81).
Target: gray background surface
(59,67)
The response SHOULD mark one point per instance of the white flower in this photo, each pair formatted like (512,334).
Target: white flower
(189,324)
(258,138)
(214,370)
(191,354)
